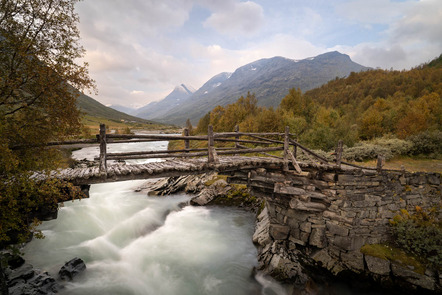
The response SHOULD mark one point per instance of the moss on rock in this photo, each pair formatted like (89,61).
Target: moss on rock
(387,252)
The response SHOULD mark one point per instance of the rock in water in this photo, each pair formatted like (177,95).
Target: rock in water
(25,280)
(71,269)
(218,188)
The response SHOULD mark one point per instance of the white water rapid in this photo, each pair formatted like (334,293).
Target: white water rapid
(134,244)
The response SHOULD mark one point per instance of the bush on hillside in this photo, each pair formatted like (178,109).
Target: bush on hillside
(427,143)
(366,151)
(396,146)
(303,158)
(388,147)
(419,234)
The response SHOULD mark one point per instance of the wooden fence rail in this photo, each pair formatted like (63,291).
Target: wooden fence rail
(278,142)
(211,152)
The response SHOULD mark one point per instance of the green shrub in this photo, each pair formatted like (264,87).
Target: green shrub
(419,234)
(303,158)
(320,138)
(366,151)
(395,145)
(385,146)
(426,143)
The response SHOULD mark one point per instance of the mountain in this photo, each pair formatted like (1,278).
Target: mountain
(123,109)
(270,79)
(158,109)
(90,106)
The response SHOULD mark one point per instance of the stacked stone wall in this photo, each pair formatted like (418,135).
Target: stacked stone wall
(326,215)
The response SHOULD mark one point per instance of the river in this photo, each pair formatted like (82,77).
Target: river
(134,244)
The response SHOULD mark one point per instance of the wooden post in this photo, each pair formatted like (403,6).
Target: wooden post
(103,164)
(186,141)
(339,154)
(213,158)
(286,148)
(380,163)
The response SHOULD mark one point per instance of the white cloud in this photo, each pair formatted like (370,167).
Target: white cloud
(411,39)
(137,92)
(145,17)
(421,23)
(242,18)
(377,55)
(371,12)
(287,46)
(104,61)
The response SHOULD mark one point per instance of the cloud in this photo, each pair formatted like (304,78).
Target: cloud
(413,34)
(134,17)
(107,61)
(137,92)
(371,12)
(374,56)
(242,18)
(422,23)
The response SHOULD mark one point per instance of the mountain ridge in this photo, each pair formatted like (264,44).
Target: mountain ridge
(159,108)
(269,79)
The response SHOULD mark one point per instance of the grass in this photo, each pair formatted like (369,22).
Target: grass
(412,164)
(393,254)
(92,124)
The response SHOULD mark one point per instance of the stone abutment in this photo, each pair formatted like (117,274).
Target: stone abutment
(321,218)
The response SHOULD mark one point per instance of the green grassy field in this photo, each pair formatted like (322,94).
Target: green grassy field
(92,125)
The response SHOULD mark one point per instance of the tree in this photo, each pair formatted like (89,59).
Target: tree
(189,126)
(38,74)
(39,83)
(371,124)
(203,124)
(293,102)
(267,120)
(235,113)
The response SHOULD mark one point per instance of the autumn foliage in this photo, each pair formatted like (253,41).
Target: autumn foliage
(363,106)
(39,45)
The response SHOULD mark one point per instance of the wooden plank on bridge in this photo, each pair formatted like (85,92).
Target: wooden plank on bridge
(294,162)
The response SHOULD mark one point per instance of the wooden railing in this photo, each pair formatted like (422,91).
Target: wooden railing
(211,152)
(273,142)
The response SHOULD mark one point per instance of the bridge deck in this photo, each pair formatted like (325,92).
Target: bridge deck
(167,168)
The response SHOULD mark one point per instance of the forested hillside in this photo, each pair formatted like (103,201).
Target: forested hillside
(363,106)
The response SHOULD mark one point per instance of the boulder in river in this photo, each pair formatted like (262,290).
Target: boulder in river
(25,280)
(71,269)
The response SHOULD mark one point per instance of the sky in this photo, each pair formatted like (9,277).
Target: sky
(139,50)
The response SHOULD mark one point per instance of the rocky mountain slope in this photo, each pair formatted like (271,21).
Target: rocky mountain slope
(159,109)
(270,79)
